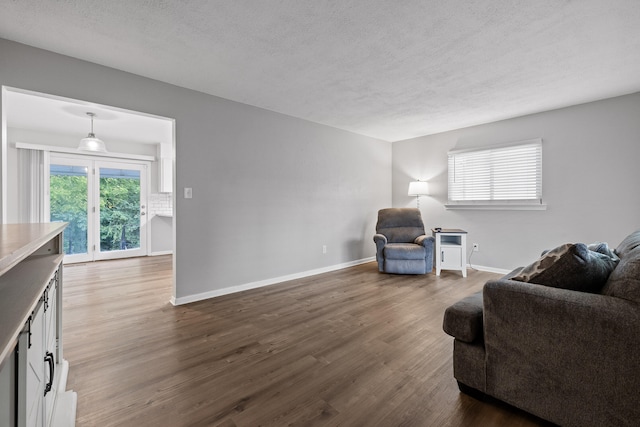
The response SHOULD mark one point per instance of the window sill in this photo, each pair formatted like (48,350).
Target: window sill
(497,207)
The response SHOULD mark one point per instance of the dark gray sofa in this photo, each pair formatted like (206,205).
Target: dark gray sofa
(569,357)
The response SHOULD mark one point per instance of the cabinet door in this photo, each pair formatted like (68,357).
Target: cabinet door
(31,375)
(50,368)
(451,257)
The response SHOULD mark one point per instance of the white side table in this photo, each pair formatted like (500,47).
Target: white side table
(451,247)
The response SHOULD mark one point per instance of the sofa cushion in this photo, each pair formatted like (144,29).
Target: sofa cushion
(404,251)
(624,281)
(570,266)
(629,243)
(463,320)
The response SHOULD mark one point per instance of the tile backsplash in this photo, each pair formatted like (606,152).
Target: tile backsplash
(161,204)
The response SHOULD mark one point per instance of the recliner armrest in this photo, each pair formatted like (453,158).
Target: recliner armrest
(380,238)
(381,241)
(424,240)
(463,320)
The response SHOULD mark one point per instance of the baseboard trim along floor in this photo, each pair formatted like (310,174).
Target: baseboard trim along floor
(261,283)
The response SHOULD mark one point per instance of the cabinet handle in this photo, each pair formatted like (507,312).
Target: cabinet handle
(442,256)
(52,368)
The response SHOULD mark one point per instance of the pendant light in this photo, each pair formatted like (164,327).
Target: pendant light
(91,143)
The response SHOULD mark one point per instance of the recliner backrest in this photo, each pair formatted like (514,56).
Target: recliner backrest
(400,225)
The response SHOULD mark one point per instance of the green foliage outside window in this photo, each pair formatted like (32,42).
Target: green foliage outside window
(68,203)
(119,212)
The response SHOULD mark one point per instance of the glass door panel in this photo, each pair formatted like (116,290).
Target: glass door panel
(69,202)
(122,210)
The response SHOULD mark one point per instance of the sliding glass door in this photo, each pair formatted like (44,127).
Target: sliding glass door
(104,203)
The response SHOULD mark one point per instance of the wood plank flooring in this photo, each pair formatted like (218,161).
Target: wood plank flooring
(347,348)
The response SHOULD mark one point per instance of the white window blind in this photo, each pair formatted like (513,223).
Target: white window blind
(501,175)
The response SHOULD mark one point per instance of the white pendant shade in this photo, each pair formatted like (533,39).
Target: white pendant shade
(418,188)
(91,143)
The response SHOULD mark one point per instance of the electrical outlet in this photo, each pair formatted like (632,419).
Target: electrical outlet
(324,249)
(476,247)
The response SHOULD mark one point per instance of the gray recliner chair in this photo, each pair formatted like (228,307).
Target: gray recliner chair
(401,244)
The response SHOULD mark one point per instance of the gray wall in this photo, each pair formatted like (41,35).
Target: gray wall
(268,190)
(591,154)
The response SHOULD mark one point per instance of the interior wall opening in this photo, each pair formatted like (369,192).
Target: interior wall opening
(40,130)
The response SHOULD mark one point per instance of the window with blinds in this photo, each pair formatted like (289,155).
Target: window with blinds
(501,175)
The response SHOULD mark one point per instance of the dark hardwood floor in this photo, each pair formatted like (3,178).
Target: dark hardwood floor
(347,348)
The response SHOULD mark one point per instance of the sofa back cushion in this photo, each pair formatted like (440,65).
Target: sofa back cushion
(629,243)
(570,266)
(624,281)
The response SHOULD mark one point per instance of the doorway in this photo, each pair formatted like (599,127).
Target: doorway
(130,136)
(105,204)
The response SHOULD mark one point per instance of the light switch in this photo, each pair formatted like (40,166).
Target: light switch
(188,192)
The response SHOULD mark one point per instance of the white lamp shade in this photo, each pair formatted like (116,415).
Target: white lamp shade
(418,188)
(91,143)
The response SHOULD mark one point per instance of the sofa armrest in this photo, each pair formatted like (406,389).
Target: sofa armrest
(463,320)
(543,344)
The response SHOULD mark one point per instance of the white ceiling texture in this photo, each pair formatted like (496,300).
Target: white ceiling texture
(388,69)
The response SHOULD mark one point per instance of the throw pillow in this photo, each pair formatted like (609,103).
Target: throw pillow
(570,266)
(602,248)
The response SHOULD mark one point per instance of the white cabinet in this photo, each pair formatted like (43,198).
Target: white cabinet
(37,351)
(52,360)
(165,168)
(165,180)
(32,370)
(451,247)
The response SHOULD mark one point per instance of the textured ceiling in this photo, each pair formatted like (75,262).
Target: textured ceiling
(387,69)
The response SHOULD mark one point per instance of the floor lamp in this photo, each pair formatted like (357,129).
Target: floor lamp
(418,188)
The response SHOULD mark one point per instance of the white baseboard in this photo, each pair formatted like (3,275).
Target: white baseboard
(489,269)
(261,283)
(63,369)
(64,406)
(64,414)
(169,252)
